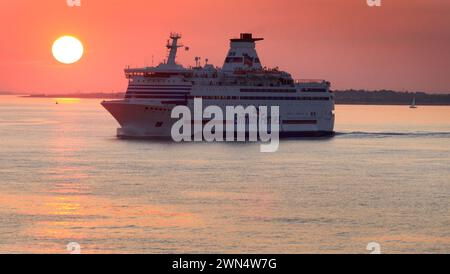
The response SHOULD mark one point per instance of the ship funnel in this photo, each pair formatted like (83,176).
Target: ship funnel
(242,54)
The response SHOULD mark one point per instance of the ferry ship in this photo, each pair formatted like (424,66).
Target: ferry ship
(306,107)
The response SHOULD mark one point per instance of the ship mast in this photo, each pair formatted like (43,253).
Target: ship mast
(173,48)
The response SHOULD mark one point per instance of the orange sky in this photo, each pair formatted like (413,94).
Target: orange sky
(402,45)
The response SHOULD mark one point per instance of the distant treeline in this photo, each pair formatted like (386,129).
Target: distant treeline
(6,93)
(389,97)
(362,97)
(98,95)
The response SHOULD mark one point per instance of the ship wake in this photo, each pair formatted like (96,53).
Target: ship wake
(421,134)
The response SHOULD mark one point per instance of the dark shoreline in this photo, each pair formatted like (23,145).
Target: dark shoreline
(78,96)
(342,97)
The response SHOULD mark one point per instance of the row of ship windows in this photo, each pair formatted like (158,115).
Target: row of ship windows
(225,123)
(314,90)
(266,98)
(275,90)
(311,114)
(129,96)
(241,59)
(242,90)
(269,90)
(153,81)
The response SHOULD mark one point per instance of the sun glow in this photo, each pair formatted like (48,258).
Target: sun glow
(67,49)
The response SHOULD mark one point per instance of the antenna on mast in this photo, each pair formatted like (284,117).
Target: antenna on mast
(197,62)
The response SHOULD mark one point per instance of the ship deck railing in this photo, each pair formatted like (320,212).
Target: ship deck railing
(310,81)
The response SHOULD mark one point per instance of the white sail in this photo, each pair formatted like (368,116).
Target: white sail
(413,104)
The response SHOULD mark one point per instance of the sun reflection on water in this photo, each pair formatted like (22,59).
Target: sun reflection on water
(66,210)
(67,100)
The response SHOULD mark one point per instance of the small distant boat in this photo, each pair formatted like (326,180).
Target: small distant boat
(413,104)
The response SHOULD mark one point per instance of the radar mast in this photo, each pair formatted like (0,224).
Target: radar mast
(173,47)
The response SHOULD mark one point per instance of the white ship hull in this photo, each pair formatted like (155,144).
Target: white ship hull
(151,120)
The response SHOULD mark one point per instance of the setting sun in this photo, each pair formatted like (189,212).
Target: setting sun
(67,49)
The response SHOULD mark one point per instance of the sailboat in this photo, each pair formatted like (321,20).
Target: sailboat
(413,104)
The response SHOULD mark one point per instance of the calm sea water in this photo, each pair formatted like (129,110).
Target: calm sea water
(64,177)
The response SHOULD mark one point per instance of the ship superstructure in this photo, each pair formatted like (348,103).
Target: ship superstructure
(306,106)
